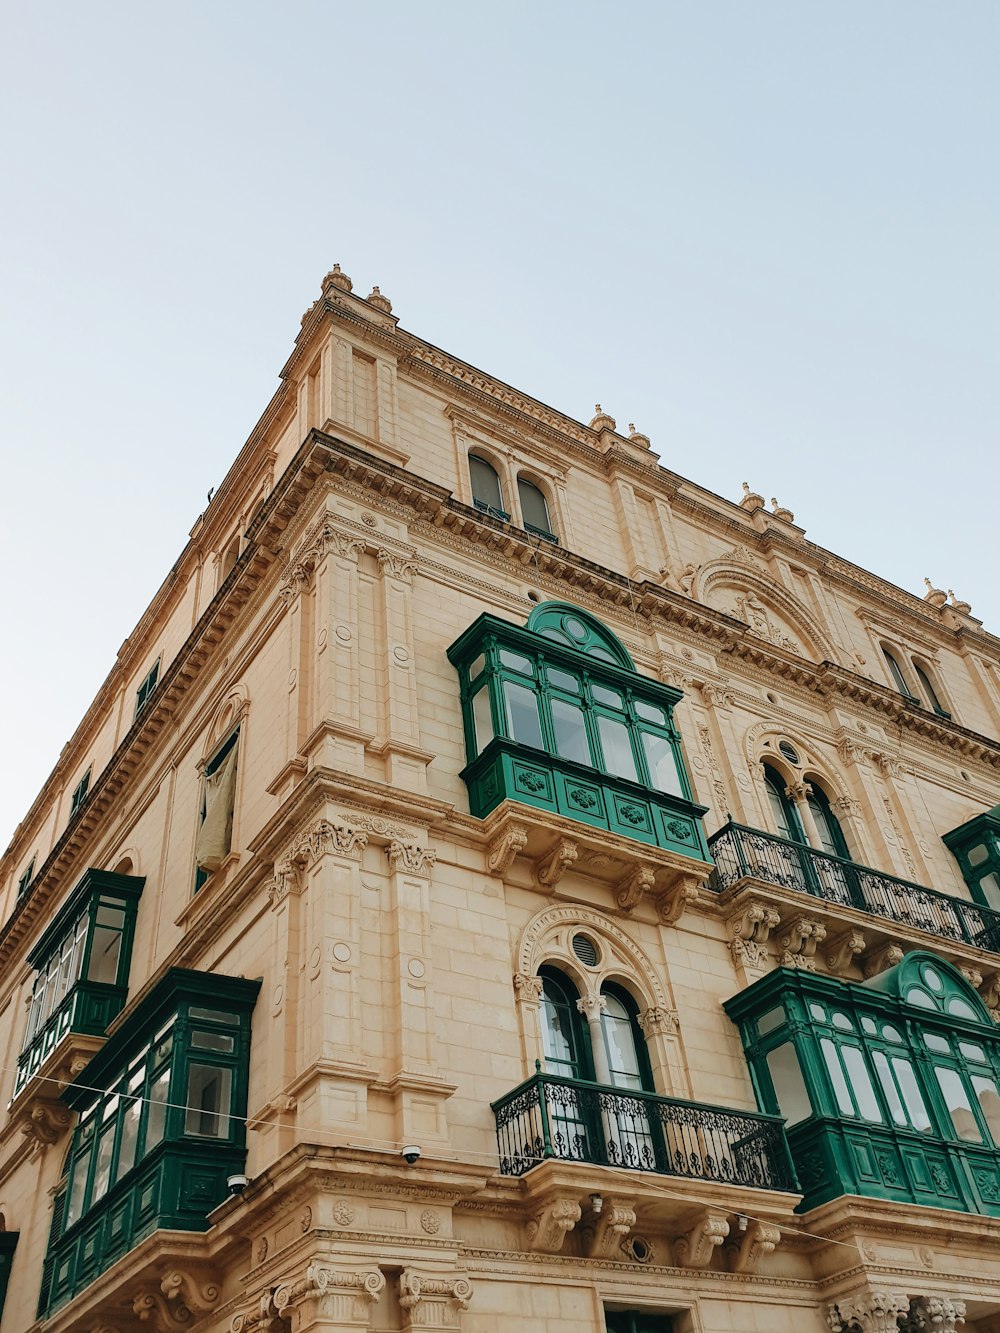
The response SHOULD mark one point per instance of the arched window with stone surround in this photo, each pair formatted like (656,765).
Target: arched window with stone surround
(487,493)
(896,673)
(931,696)
(534,509)
(831,835)
(783,813)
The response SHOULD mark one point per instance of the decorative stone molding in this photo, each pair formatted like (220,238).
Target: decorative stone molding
(396,566)
(673,901)
(633,885)
(551,868)
(410,858)
(881,959)
(604,1232)
(547,1231)
(502,851)
(44,1122)
(989,989)
(871,1312)
(177,1302)
(320,540)
(799,791)
(527,988)
(798,942)
(265,1317)
(750,928)
(695,1249)
(345,1297)
(934,1314)
(718,696)
(432,1301)
(658,1020)
(972,975)
(747,1248)
(843,949)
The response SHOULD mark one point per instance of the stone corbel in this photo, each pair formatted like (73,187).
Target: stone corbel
(264,1317)
(410,858)
(430,1301)
(44,1122)
(547,1231)
(502,850)
(990,992)
(872,1312)
(695,1249)
(674,899)
(177,1301)
(747,1248)
(798,942)
(750,928)
(843,949)
(881,959)
(972,975)
(633,885)
(604,1232)
(551,868)
(934,1314)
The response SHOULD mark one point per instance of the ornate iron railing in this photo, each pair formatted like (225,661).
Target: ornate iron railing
(747,853)
(552,1117)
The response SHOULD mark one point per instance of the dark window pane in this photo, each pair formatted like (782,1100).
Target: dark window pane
(485,483)
(208,1097)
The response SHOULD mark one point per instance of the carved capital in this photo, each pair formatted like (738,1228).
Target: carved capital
(843,949)
(871,1312)
(547,1231)
(502,850)
(288,879)
(658,1020)
(633,884)
(410,857)
(551,868)
(433,1301)
(343,1296)
(934,1314)
(262,1317)
(396,566)
(798,791)
(798,942)
(592,1005)
(747,1248)
(604,1232)
(527,988)
(695,1249)
(972,975)
(333,836)
(881,959)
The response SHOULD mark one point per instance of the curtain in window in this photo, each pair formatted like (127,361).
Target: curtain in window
(215,834)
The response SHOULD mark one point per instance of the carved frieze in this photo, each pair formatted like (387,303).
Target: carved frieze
(410,858)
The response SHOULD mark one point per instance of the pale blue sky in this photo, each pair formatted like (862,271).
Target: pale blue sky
(765,232)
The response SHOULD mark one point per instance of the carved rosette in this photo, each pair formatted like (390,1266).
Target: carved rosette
(432,1301)
(410,858)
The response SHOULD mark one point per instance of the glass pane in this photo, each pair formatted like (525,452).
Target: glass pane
(533,507)
(843,1022)
(836,1072)
(890,1034)
(889,1088)
(931,978)
(485,483)
(894,671)
(105,950)
(570,732)
(972,1052)
(864,1093)
(771,1020)
(157,1113)
(962,1009)
(868,1025)
(517,662)
(102,1167)
(789,1085)
(562,680)
(476,666)
(662,764)
(576,629)
(826,826)
(602,655)
(920,998)
(208,1096)
(977,855)
(957,1102)
(482,719)
(912,1097)
(617,747)
(129,1139)
(989,1103)
(522,714)
(619,1042)
(78,1186)
(213,1041)
(817,1011)
(937,1043)
(610,698)
(650,712)
(990,887)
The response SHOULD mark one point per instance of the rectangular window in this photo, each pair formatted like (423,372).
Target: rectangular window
(570,731)
(957,1101)
(482,718)
(79,794)
(789,1085)
(523,725)
(27,875)
(147,687)
(834,1069)
(218,800)
(662,765)
(618,757)
(209,1092)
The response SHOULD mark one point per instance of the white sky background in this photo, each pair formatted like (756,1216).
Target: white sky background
(765,232)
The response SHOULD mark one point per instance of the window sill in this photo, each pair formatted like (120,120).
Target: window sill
(209,891)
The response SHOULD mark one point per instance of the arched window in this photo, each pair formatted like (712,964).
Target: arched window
(624,1044)
(930,694)
(831,836)
(895,671)
(565,1040)
(534,510)
(487,494)
(783,812)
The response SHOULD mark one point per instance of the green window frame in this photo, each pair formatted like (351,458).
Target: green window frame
(162,1123)
(976,847)
(26,876)
(80,793)
(81,966)
(8,1244)
(534,509)
(145,690)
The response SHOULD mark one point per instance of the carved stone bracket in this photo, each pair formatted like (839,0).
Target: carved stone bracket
(604,1232)
(990,991)
(345,1297)
(972,975)
(552,867)
(746,1249)
(658,1020)
(934,1314)
(547,1231)
(750,928)
(176,1302)
(673,901)
(881,959)
(798,942)
(502,850)
(527,988)
(432,1301)
(410,857)
(843,949)
(636,882)
(45,1121)
(695,1249)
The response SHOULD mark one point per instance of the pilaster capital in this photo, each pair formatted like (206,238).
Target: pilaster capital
(528,988)
(658,1020)
(592,1005)
(934,1314)
(869,1312)
(396,565)
(432,1300)
(410,857)
(345,1296)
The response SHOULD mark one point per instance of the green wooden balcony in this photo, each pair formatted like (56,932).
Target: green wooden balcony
(747,853)
(551,1117)
(87,1008)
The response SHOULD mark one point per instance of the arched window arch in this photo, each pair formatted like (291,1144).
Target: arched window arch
(930,693)
(831,835)
(487,493)
(564,623)
(783,812)
(534,509)
(896,672)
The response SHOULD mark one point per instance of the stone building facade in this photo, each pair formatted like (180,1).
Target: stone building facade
(502,884)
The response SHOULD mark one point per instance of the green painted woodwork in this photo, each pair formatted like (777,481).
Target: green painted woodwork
(976,846)
(557,717)
(162,1112)
(637,1321)
(890,1088)
(8,1244)
(82,965)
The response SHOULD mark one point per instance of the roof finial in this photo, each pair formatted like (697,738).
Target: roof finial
(338,278)
(601,420)
(379,301)
(963,608)
(780,511)
(751,500)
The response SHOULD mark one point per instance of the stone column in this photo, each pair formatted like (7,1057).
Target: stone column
(592,1005)
(799,793)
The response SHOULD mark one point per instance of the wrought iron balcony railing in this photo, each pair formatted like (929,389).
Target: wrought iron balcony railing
(548,1116)
(742,853)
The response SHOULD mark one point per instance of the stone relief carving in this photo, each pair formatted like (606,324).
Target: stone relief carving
(695,1249)
(410,858)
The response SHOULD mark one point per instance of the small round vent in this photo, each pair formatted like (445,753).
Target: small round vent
(586,950)
(789,751)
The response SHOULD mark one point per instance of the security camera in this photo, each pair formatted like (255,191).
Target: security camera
(410,1154)
(236,1184)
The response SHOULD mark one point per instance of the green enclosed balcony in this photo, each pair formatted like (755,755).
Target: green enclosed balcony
(82,964)
(557,718)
